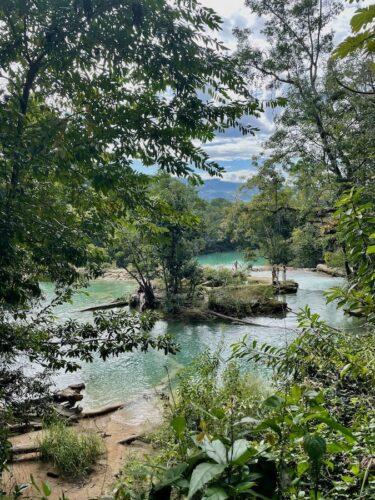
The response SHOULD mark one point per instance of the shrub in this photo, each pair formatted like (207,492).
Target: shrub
(335,259)
(307,246)
(206,395)
(222,276)
(72,453)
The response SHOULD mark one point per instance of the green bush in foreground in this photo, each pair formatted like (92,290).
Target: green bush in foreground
(204,401)
(226,437)
(72,453)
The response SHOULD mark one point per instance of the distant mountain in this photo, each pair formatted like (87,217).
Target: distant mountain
(216,188)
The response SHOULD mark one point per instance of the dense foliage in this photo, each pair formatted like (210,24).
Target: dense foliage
(87,87)
(162,243)
(313,437)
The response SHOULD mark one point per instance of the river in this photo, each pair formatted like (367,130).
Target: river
(131,374)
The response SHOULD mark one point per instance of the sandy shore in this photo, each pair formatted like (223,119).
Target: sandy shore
(138,417)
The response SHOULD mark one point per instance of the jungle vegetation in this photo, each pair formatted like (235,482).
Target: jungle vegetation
(88,88)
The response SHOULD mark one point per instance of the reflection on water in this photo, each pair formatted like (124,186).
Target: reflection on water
(125,377)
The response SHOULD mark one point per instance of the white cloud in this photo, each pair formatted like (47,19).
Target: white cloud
(234,13)
(235,148)
(240,175)
(225,8)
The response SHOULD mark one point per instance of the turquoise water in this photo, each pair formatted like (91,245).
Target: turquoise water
(227,259)
(129,375)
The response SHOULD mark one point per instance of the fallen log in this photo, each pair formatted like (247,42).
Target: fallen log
(130,439)
(238,320)
(26,458)
(101,411)
(110,305)
(24,450)
(24,427)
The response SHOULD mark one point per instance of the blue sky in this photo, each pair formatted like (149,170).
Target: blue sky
(232,150)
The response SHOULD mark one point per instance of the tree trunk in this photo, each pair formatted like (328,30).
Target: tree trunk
(150,300)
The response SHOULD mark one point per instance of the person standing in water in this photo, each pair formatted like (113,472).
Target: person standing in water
(235,266)
(274,279)
(284,273)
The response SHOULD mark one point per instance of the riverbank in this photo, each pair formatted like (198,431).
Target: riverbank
(133,374)
(138,418)
(117,274)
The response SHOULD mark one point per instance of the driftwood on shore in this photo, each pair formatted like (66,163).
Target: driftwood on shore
(23,450)
(24,427)
(131,439)
(101,411)
(26,458)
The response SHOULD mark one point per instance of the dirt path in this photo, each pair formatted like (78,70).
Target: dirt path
(138,417)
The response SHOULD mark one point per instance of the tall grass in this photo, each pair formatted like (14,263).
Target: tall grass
(73,453)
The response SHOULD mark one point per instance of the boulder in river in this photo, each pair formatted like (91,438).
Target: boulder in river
(288,286)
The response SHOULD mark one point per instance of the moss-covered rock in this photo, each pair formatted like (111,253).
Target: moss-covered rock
(245,300)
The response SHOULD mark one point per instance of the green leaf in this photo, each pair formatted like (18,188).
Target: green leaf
(302,467)
(242,487)
(337,447)
(34,483)
(273,401)
(172,475)
(240,452)
(333,424)
(215,493)
(215,450)
(370,250)
(315,446)
(46,489)
(271,424)
(345,370)
(203,474)
(362,17)
(355,469)
(179,425)
(218,413)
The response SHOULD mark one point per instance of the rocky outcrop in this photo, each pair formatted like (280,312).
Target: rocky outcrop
(245,300)
(71,395)
(285,287)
